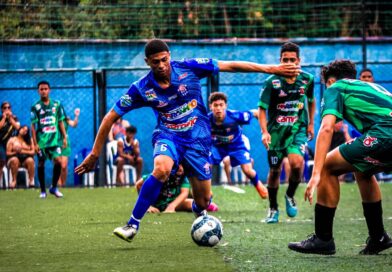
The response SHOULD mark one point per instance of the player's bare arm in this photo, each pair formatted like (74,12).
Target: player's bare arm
(171,208)
(286,69)
(323,143)
(265,137)
(89,162)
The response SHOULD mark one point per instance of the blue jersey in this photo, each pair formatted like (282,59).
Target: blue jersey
(230,131)
(180,110)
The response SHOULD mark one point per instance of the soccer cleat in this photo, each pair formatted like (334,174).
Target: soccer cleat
(291,206)
(42,195)
(212,207)
(54,191)
(374,246)
(273,216)
(262,190)
(202,213)
(127,233)
(314,245)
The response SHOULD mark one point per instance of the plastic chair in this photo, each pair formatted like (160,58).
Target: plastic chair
(111,151)
(5,180)
(20,170)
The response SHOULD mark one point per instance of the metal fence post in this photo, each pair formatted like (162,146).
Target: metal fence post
(101,84)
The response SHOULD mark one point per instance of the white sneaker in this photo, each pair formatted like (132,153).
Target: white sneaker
(54,191)
(42,195)
(127,233)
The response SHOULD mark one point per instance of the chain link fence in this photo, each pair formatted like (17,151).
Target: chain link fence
(79,89)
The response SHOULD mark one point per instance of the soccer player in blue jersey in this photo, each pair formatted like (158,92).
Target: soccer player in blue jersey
(182,135)
(226,135)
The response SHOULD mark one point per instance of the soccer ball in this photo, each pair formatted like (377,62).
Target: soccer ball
(207,230)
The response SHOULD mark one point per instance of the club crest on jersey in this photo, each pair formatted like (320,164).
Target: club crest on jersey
(282,93)
(184,75)
(276,83)
(53,110)
(151,95)
(182,89)
(161,104)
(202,60)
(125,101)
(301,90)
(369,141)
(305,81)
(37,107)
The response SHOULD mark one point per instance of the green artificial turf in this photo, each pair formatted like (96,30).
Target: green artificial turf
(75,234)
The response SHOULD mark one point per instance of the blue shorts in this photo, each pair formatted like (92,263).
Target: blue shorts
(238,154)
(195,158)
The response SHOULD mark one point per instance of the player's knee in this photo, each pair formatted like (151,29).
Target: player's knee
(274,173)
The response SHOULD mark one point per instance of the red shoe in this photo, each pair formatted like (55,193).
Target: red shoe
(213,207)
(262,190)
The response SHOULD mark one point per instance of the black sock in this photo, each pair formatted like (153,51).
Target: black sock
(41,177)
(373,215)
(293,185)
(323,217)
(56,174)
(272,193)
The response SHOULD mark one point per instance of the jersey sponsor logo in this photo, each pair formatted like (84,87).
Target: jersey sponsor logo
(53,110)
(58,150)
(246,116)
(47,120)
(181,111)
(182,89)
(202,60)
(247,155)
(286,120)
(369,141)
(183,126)
(38,107)
(372,160)
(282,93)
(125,101)
(41,111)
(222,139)
(151,95)
(184,75)
(49,129)
(276,83)
(305,81)
(290,106)
(172,97)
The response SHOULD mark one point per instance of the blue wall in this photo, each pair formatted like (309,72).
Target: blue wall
(74,89)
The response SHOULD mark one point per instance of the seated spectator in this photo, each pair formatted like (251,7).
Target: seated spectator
(128,152)
(118,129)
(20,152)
(174,195)
(366,75)
(9,124)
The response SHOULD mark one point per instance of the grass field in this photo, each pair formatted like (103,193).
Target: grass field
(75,234)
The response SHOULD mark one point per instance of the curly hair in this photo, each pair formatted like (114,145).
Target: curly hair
(289,47)
(339,69)
(217,96)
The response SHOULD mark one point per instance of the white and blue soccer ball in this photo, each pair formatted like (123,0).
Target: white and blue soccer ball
(207,230)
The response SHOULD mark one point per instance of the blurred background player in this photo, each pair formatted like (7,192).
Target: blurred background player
(9,124)
(128,152)
(118,129)
(174,195)
(49,136)
(20,152)
(366,75)
(291,106)
(226,135)
(66,152)
(368,108)
(182,134)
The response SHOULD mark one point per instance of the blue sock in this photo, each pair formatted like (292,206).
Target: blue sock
(254,180)
(147,196)
(196,209)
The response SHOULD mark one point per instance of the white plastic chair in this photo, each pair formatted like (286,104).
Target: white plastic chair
(236,172)
(20,169)
(111,151)
(5,180)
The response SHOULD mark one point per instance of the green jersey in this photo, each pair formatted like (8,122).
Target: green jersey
(47,118)
(171,189)
(287,107)
(366,106)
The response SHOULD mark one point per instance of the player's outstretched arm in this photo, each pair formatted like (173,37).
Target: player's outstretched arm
(89,162)
(286,69)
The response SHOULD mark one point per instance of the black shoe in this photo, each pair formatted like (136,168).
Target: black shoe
(314,245)
(374,246)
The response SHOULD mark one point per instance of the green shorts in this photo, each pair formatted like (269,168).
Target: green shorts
(369,155)
(298,146)
(49,153)
(66,152)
